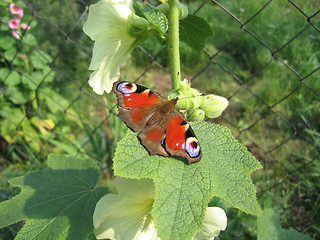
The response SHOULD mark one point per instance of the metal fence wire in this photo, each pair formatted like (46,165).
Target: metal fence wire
(264,57)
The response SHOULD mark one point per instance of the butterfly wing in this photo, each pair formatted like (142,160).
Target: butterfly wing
(180,139)
(172,136)
(152,138)
(136,104)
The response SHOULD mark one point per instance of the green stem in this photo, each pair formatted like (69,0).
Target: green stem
(174,43)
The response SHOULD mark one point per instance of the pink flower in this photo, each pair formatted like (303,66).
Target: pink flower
(14,23)
(22,56)
(25,26)
(16,9)
(15,34)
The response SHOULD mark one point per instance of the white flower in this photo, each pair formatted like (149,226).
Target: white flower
(215,220)
(127,215)
(108,25)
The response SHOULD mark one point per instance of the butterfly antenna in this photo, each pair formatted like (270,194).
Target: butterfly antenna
(202,94)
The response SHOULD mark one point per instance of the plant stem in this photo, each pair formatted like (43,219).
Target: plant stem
(174,43)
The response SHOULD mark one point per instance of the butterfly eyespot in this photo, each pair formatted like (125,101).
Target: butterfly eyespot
(192,147)
(125,87)
(163,143)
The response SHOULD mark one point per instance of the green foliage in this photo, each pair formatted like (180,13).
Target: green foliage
(57,202)
(153,15)
(195,30)
(278,23)
(24,100)
(269,228)
(183,191)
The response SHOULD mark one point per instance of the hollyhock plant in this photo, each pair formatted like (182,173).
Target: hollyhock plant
(16,9)
(116,30)
(14,23)
(127,215)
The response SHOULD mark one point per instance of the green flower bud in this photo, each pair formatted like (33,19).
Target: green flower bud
(213,105)
(174,94)
(189,98)
(183,10)
(138,27)
(189,102)
(195,115)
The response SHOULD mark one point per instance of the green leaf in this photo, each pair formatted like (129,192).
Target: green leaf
(269,228)
(7,41)
(194,31)
(57,202)
(13,79)
(182,191)
(68,148)
(54,100)
(14,114)
(10,54)
(17,95)
(33,80)
(153,15)
(30,39)
(40,59)
(4,74)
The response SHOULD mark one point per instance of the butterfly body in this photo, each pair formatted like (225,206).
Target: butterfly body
(164,130)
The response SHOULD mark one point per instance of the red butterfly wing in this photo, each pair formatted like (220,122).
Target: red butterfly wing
(136,104)
(181,140)
(152,138)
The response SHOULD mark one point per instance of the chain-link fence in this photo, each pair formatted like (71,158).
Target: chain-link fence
(264,57)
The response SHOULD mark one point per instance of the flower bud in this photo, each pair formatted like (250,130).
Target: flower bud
(195,115)
(189,102)
(138,27)
(174,94)
(183,9)
(213,105)
(189,98)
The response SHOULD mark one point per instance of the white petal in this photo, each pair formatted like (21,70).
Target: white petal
(109,44)
(215,220)
(107,69)
(149,234)
(105,15)
(126,215)
(107,25)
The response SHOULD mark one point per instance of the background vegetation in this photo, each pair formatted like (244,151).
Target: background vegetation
(264,57)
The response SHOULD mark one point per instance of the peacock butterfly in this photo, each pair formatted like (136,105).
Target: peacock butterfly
(164,129)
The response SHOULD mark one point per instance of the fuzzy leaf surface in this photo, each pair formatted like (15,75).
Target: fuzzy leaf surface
(182,191)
